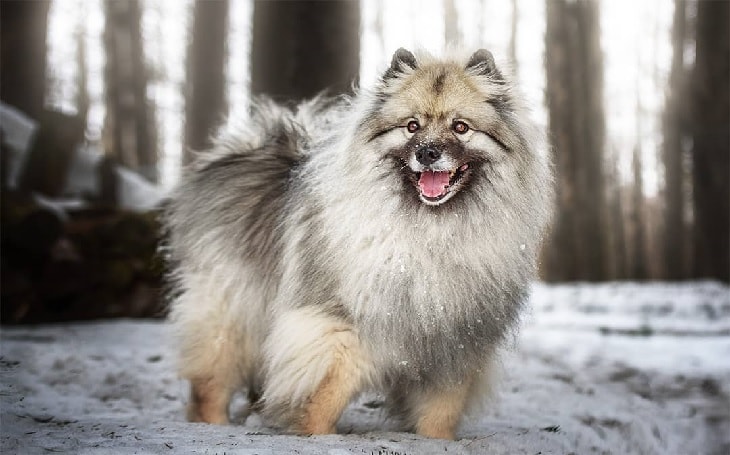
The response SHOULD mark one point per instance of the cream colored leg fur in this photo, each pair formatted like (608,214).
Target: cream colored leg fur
(316,365)
(215,354)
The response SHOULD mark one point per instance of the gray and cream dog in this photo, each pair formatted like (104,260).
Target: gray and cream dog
(380,243)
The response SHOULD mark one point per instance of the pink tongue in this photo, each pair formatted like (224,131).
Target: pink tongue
(433,183)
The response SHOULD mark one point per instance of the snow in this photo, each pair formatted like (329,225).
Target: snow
(17,132)
(612,368)
(134,192)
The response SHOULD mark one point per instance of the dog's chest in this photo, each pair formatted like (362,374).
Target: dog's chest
(414,307)
(418,301)
(393,269)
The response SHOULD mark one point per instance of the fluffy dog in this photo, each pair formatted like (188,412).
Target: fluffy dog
(384,242)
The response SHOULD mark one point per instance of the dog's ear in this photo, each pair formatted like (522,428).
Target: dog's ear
(401,59)
(482,63)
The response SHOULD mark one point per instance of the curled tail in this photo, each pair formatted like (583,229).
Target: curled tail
(273,127)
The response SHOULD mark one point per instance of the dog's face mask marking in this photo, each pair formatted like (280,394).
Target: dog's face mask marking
(441,122)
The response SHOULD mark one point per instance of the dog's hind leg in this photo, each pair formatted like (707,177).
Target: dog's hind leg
(209,400)
(214,353)
(315,366)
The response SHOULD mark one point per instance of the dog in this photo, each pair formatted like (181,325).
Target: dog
(382,242)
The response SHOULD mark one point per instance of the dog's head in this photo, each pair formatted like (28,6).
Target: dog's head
(442,121)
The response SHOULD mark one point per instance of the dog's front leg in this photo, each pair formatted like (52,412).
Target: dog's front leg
(315,366)
(324,407)
(437,412)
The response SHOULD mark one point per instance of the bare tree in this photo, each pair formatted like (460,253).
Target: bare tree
(379,24)
(710,93)
(205,98)
(129,125)
(23,30)
(636,221)
(617,233)
(481,7)
(303,47)
(452,34)
(674,134)
(82,78)
(574,69)
(513,37)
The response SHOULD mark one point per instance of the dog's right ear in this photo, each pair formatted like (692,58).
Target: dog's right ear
(482,62)
(401,59)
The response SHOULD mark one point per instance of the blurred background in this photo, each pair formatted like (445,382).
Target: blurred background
(102,102)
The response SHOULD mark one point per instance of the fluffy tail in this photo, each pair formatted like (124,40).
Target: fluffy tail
(289,130)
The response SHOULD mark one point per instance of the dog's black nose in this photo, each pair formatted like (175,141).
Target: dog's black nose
(427,155)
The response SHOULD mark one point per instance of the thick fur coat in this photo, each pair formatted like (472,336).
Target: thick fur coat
(384,242)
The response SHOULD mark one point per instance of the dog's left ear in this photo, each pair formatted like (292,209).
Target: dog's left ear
(482,62)
(401,59)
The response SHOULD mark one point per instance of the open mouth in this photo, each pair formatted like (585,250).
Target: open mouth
(436,186)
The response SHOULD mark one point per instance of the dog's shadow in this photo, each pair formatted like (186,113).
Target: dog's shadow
(367,414)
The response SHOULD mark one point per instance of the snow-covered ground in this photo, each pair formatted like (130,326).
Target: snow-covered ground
(616,368)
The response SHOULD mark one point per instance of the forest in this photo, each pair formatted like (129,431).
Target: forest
(116,102)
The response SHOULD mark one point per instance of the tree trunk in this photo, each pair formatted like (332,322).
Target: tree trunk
(301,48)
(23,30)
(129,123)
(513,38)
(675,133)
(617,234)
(574,71)
(452,35)
(711,135)
(637,263)
(205,98)
(82,80)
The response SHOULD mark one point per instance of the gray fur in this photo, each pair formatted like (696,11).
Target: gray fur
(483,62)
(402,59)
(312,207)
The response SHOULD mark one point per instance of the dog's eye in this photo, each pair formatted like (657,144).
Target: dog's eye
(413,126)
(460,127)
